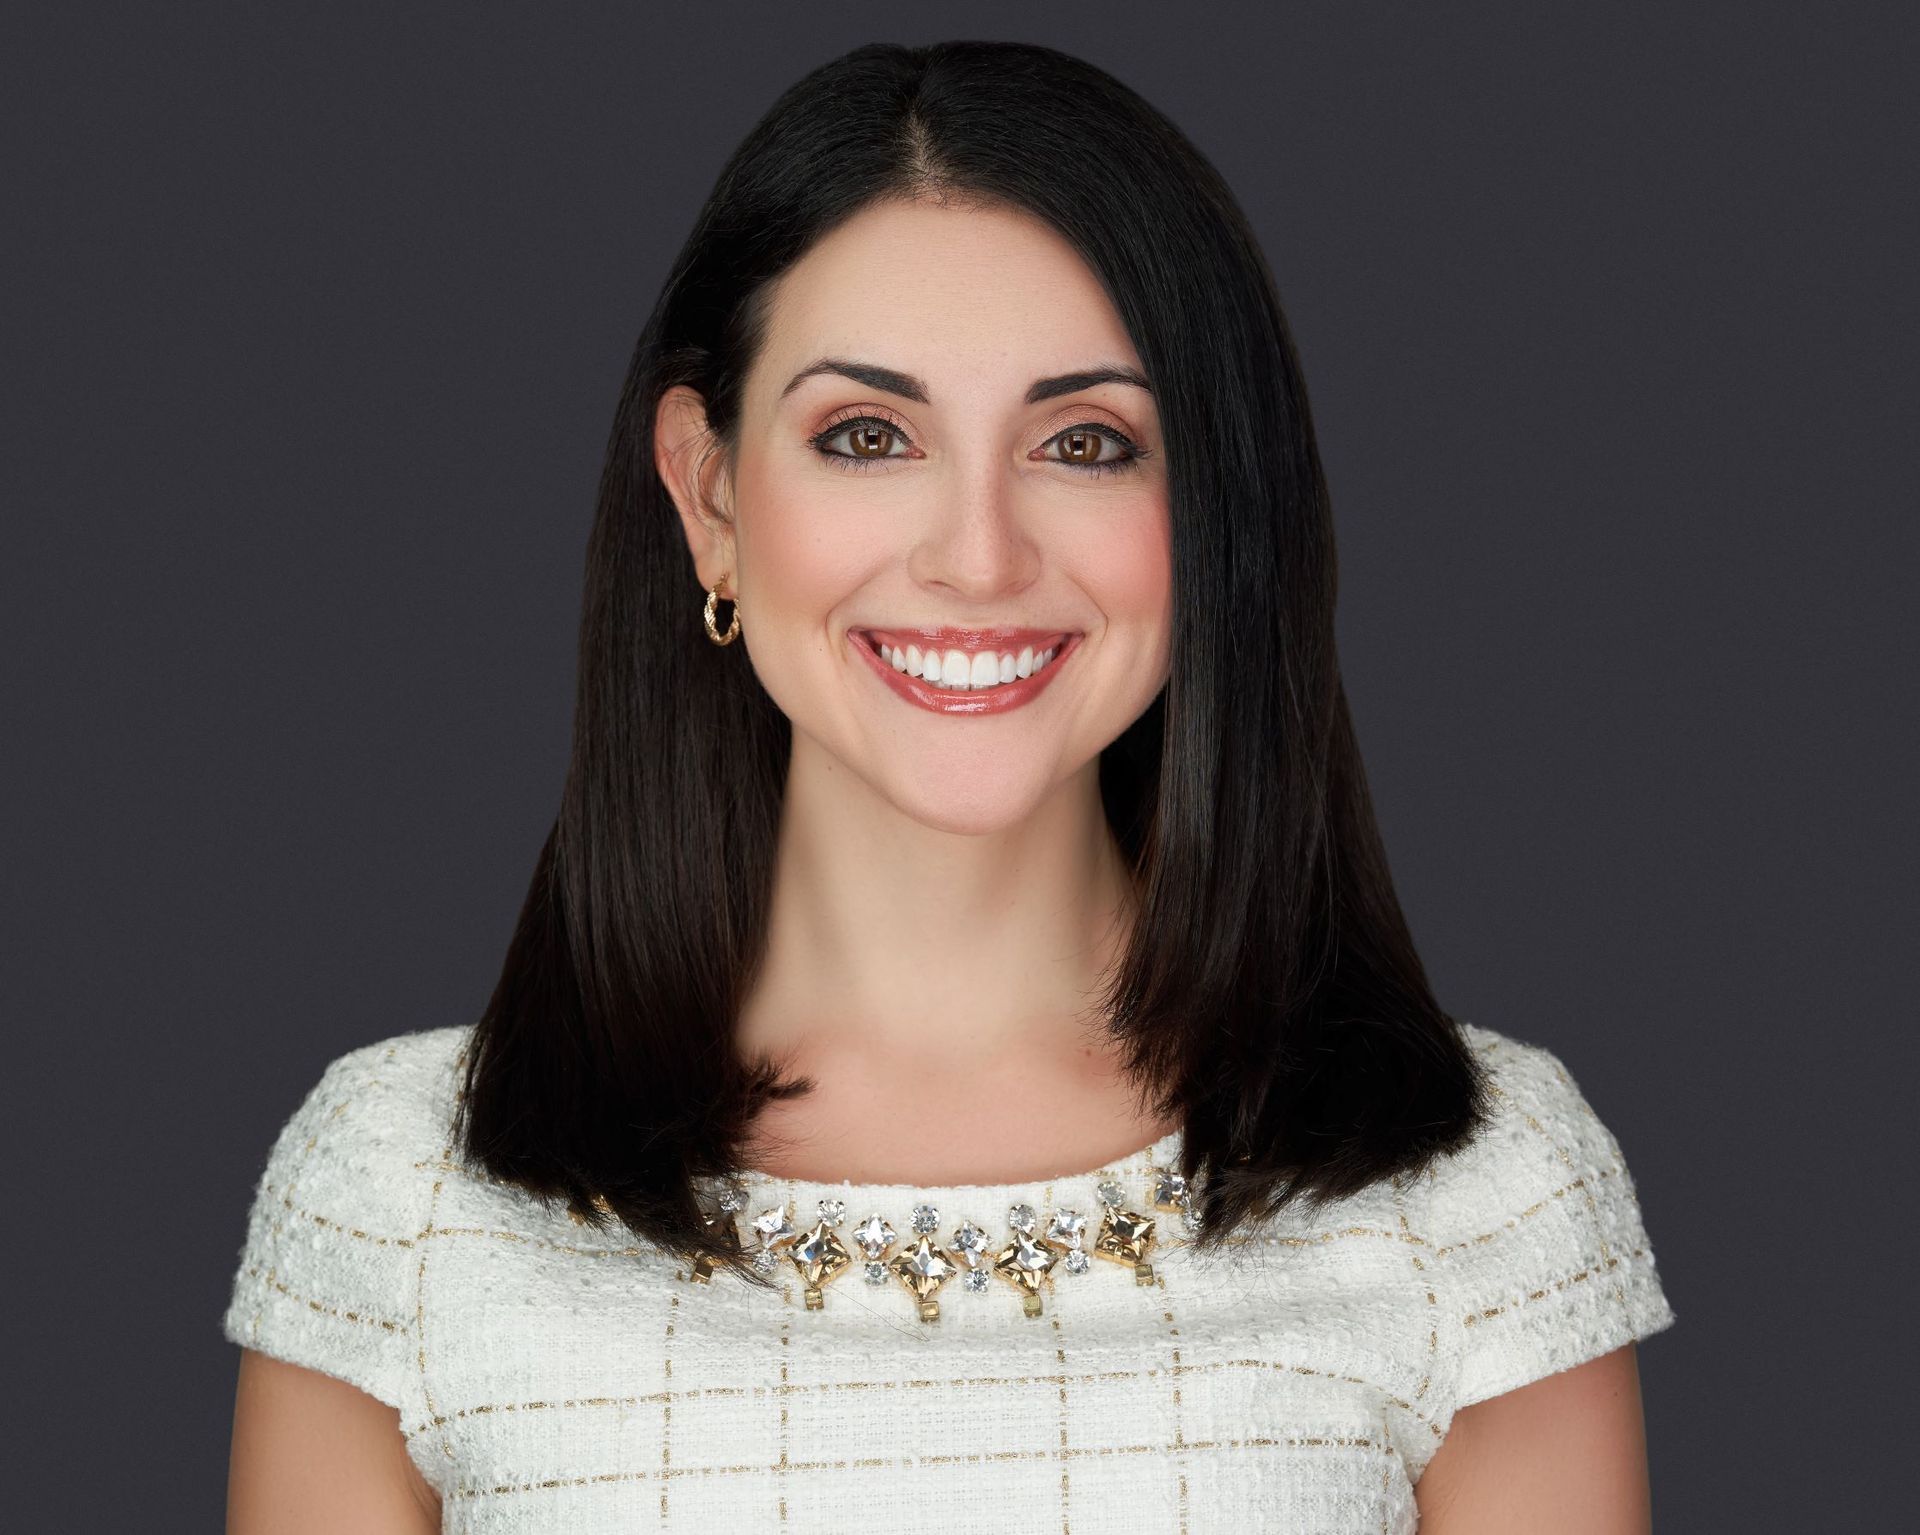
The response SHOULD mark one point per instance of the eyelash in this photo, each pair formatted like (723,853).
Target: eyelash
(857,465)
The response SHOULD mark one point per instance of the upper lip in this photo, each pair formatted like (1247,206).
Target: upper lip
(995,637)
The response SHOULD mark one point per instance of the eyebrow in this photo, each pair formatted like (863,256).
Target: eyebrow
(892,381)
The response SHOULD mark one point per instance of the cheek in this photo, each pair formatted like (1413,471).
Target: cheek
(800,555)
(804,548)
(1128,570)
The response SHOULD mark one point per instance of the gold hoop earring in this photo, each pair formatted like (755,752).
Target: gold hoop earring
(733,628)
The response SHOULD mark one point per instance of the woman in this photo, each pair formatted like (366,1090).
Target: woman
(961,1058)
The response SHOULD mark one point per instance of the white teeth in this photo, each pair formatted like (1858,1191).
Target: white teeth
(957,670)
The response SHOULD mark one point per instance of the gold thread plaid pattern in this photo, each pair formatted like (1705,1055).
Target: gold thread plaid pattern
(548,1377)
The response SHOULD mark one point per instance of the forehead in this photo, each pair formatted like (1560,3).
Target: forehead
(971,296)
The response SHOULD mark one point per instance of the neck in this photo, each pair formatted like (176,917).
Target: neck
(932,949)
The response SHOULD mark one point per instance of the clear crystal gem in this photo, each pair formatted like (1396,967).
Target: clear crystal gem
(1191,1217)
(733,1198)
(1110,1193)
(1076,1261)
(773,1225)
(1169,1188)
(976,1280)
(969,1241)
(874,1235)
(875,1273)
(1022,1219)
(763,1260)
(833,1211)
(925,1218)
(1067,1227)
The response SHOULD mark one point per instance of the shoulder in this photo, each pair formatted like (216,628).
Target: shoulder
(420,1064)
(1537,1236)
(329,1257)
(1538,1118)
(378,1117)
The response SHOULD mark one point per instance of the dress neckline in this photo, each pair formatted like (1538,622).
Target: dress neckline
(1162,1153)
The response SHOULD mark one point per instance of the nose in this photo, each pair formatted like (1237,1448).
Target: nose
(977,544)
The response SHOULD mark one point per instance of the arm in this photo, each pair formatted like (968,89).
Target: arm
(324,1306)
(313,1455)
(1566,1453)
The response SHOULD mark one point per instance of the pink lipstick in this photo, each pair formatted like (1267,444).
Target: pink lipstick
(994,698)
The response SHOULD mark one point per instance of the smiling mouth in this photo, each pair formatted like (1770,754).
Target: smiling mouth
(967,661)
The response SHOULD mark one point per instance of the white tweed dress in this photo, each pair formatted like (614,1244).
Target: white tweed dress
(549,1378)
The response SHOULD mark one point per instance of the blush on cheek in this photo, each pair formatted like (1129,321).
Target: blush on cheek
(1128,569)
(803,552)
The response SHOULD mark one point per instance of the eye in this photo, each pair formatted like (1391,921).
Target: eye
(1082,444)
(870,438)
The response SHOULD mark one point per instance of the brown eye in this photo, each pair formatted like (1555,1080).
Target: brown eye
(1080,449)
(871,440)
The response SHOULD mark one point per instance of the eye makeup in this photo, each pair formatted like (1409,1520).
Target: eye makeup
(1131,453)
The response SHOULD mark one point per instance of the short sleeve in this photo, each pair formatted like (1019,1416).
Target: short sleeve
(1540,1246)
(327,1275)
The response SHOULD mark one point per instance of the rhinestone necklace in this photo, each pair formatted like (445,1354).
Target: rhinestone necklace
(1036,1244)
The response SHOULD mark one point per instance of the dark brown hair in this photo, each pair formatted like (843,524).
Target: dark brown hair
(1270,993)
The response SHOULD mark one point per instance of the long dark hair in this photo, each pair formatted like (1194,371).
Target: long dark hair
(1270,993)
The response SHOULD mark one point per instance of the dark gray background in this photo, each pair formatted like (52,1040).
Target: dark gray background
(313,332)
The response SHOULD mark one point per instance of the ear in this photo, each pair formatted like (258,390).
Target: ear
(693,467)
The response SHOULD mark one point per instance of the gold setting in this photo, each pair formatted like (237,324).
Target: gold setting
(923,1268)
(1126,1237)
(1035,1250)
(1026,1263)
(819,1255)
(700,1270)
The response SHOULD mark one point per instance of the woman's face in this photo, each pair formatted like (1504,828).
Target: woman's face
(961,482)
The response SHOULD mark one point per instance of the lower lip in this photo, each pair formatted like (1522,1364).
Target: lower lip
(994,700)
